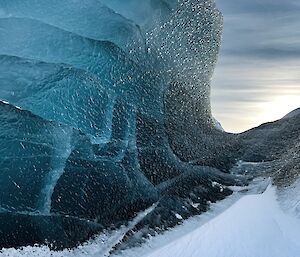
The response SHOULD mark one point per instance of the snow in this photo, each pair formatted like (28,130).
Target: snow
(255,226)
(178,216)
(289,199)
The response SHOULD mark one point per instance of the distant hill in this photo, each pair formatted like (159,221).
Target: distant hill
(292,114)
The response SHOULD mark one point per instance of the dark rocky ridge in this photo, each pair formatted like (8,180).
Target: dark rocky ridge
(279,158)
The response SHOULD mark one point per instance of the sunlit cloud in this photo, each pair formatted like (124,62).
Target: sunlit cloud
(257,78)
(278,107)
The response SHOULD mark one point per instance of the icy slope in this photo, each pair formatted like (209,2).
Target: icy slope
(255,226)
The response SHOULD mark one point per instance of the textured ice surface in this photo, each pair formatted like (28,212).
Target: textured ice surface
(146,14)
(100,85)
(51,168)
(88,18)
(57,92)
(27,141)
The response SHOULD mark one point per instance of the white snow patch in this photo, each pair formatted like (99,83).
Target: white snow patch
(5,102)
(289,199)
(255,226)
(195,205)
(178,216)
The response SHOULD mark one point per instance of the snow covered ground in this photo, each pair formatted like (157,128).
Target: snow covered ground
(253,226)
(290,199)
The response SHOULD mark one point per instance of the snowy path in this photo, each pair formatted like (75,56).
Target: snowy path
(255,226)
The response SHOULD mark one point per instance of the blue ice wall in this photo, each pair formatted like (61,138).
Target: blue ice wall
(98,98)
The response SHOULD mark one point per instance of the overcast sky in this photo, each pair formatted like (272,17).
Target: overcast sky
(258,75)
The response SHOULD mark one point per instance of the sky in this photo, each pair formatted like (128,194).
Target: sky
(257,78)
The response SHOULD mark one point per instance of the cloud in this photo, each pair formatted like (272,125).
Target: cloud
(261,28)
(259,59)
(257,7)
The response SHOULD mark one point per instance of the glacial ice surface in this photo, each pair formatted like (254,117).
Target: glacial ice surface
(87,88)
(88,18)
